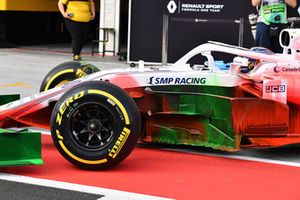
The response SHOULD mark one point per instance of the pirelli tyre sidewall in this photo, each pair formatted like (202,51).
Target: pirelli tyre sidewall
(65,72)
(95,125)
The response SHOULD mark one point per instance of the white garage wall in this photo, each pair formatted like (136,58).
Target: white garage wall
(110,18)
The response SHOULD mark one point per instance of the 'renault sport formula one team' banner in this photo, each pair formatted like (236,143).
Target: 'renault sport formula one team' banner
(190,23)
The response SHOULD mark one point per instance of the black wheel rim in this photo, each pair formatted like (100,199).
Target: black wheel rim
(92,126)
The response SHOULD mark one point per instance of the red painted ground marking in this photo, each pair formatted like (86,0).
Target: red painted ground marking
(175,175)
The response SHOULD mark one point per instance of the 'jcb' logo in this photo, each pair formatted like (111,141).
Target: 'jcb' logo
(275,88)
(64,106)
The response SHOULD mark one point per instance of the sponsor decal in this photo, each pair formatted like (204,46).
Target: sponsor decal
(67,103)
(119,143)
(290,69)
(275,88)
(286,69)
(176,81)
(276,69)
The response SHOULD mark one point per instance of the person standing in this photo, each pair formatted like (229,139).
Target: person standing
(272,16)
(77,14)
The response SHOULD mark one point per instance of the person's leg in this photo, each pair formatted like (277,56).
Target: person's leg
(262,38)
(74,29)
(84,30)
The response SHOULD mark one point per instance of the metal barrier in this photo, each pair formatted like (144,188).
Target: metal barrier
(104,40)
(166,23)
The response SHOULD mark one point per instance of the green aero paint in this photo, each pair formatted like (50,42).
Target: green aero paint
(19,147)
(205,114)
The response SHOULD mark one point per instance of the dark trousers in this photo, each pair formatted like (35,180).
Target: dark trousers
(79,32)
(265,39)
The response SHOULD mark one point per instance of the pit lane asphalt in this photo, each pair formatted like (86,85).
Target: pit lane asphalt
(22,71)
(16,191)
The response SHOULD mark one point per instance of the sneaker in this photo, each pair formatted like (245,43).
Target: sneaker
(77,57)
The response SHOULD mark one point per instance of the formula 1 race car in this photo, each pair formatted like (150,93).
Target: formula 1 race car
(97,117)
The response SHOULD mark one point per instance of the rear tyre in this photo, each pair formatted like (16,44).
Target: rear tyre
(95,125)
(66,72)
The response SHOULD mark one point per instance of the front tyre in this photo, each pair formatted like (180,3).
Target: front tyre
(66,72)
(95,125)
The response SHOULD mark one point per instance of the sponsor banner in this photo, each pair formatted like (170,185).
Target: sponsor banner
(188,20)
(275,90)
(182,7)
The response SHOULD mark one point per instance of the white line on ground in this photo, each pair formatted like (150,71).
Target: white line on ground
(248,158)
(109,194)
(264,160)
